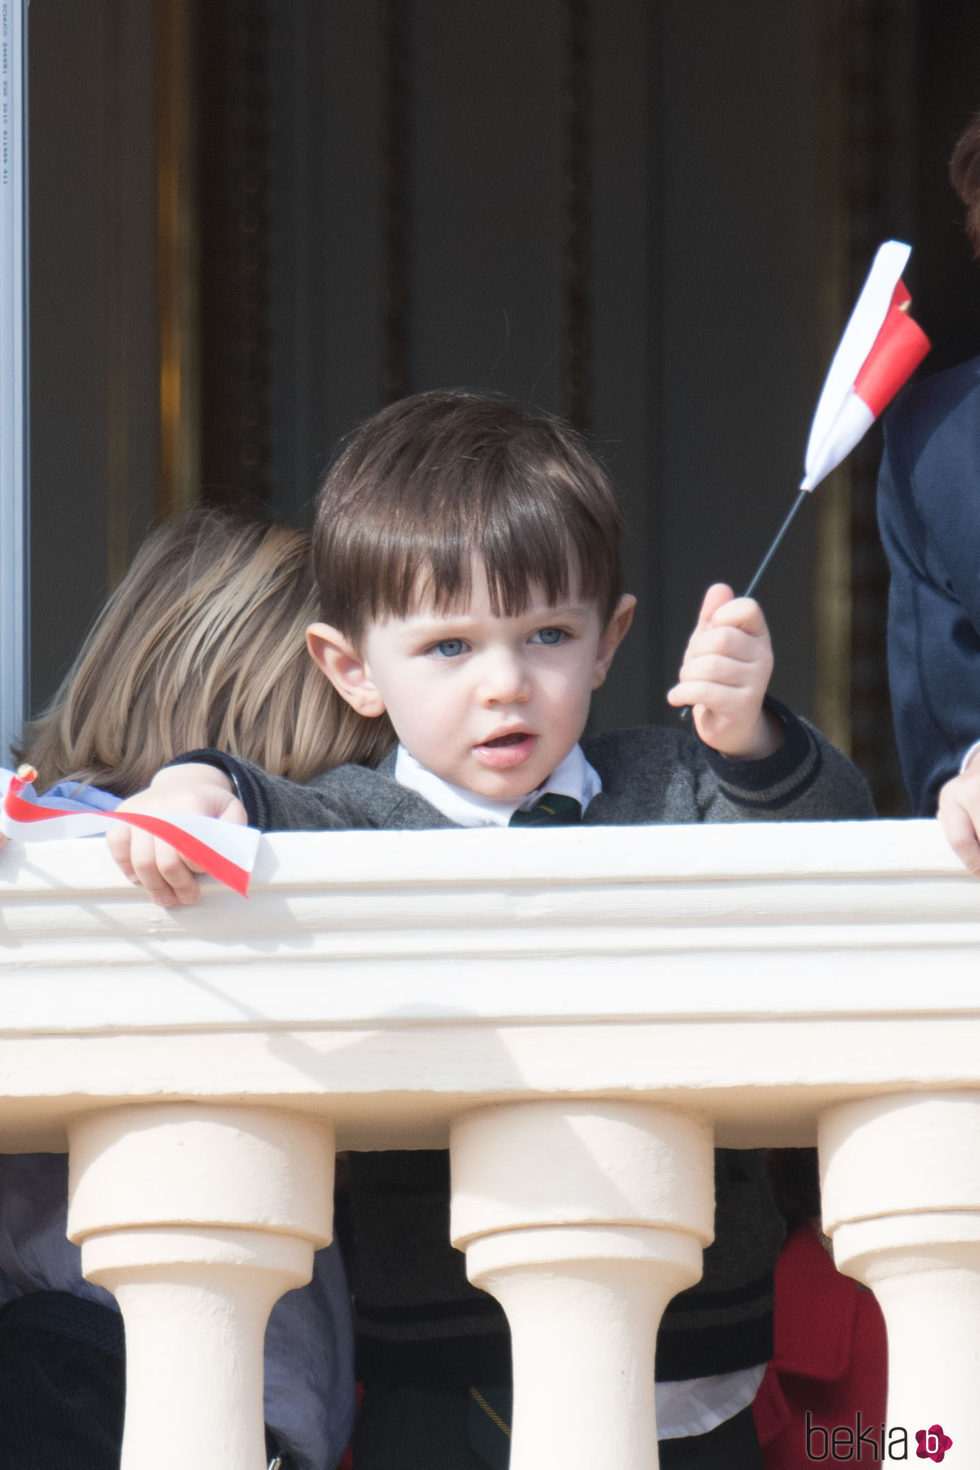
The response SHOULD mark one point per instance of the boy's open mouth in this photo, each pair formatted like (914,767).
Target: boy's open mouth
(506,752)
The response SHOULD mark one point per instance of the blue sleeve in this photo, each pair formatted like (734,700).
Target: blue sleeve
(933,645)
(309,1367)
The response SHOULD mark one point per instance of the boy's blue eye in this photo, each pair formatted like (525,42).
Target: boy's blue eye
(450,648)
(550,636)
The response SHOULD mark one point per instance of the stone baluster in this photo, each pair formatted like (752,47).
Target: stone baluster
(901,1202)
(197,1218)
(583,1220)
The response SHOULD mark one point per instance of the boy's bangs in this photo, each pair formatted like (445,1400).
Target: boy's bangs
(527,551)
(433,481)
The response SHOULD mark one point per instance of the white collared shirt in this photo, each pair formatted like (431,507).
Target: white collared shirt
(573,777)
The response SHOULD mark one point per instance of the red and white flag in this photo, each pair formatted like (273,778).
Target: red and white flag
(221,849)
(880,350)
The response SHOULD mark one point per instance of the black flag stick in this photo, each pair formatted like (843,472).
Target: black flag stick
(764,563)
(777,542)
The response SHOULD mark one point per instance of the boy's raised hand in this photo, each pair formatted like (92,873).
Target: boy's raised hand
(725,674)
(168,878)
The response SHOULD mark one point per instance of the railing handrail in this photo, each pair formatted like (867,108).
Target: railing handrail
(753,972)
(717,851)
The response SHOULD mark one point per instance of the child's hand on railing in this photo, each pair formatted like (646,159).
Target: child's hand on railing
(959,812)
(168,878)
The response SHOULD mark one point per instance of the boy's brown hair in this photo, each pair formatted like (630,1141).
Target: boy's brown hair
(435,479)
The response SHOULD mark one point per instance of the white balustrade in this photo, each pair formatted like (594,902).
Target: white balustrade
(583,1219)
(901,1201)
(579,1014)
(197,1220)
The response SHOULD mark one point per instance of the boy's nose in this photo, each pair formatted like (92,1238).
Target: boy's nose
(503,680)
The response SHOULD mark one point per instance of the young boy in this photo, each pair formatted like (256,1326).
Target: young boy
(467,553)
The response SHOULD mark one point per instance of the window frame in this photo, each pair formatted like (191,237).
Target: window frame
(14,375)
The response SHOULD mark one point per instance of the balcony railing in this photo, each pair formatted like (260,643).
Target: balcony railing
(579,1015)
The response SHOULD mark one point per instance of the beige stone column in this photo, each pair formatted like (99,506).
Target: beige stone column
(583,1220)
(197,1218)
(901,1202)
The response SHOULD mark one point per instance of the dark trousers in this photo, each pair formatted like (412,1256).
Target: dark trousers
(431,1429)
(62,1384)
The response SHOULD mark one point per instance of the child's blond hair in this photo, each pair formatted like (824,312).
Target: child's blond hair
(202,644)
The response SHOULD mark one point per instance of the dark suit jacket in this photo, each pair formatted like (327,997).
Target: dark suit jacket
(929,513)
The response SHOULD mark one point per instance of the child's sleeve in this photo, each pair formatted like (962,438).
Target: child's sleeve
(275,804)
(806,780)
(933,627)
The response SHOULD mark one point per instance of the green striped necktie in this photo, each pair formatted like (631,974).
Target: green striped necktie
(550,810)
(488,1428)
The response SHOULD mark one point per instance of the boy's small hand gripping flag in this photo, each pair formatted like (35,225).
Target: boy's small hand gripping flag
(880,350)
(221,849)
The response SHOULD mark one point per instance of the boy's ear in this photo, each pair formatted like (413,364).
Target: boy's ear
(612,636)
(337,657)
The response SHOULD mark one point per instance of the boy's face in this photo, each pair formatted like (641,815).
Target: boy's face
(491,704)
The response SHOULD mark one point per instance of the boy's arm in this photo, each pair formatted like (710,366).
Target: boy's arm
(764,763)
(212,784)
(806,780)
